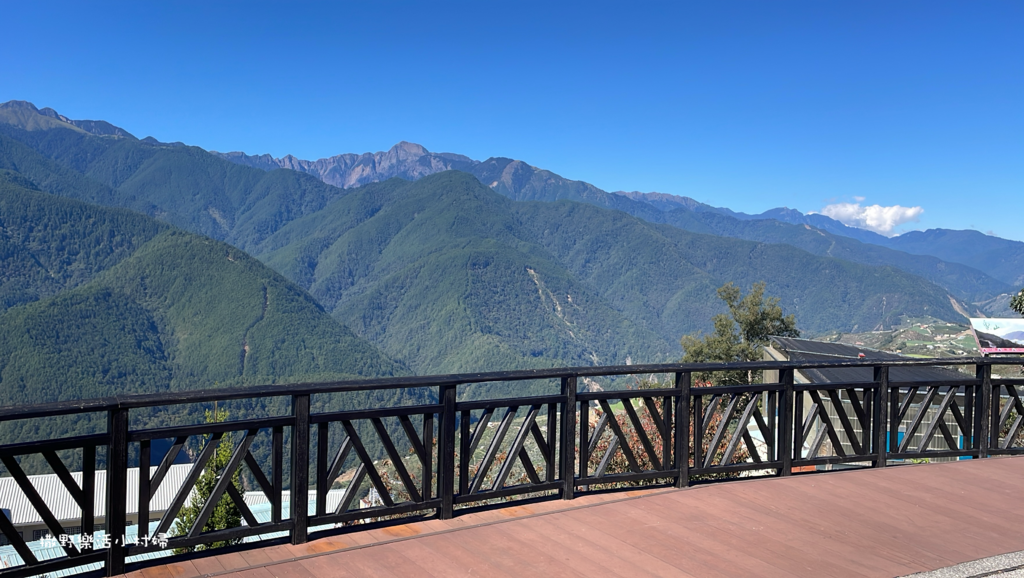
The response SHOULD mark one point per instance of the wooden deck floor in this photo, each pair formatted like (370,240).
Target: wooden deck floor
(888,522)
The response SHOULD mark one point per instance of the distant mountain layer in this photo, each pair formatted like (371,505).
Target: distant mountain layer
(520,181)
(1004,259)
(405,160)
(1017,336)
(1001,261)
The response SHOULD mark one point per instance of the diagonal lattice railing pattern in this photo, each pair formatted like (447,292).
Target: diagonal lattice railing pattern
(514,457)
(82,493)
(208,438)
(736,429)
(414,488)
(1008,417)
(836,422)
(932,419)
(635,428)
(317,473)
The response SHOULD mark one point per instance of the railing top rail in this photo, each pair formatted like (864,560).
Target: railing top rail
(407,382)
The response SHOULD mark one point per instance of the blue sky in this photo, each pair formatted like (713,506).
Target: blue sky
(749,105)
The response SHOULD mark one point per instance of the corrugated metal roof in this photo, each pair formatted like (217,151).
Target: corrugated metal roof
(258,500)
(260,507)
(43,551)
(64,507)
(808,350)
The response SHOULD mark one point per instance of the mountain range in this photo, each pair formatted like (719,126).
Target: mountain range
(193,268)
(973,266)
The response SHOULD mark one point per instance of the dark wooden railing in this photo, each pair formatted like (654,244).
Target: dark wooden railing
(464,454)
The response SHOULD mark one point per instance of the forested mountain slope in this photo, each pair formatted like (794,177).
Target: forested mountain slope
(102,301)
(1003,258)
(48,245)
(444,266)
(184,186)
(677,272)
(439,274)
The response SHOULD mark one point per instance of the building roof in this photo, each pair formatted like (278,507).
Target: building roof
(794,349)
(258,503)
(64,507)
(45,550)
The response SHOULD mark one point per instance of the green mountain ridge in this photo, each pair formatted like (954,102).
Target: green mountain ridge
(520,181)
(973,280)
(430,274)
(1002,257)
(967,284)
(123,303)
(184,186)
(43,252)
(966,251)
(243,204)
(676,273)
(415,268)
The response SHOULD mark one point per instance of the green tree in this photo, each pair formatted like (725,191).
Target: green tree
(226,514)
(740,334)
(1017,303)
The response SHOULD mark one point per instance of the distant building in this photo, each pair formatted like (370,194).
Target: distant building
(793,349)
(49,487)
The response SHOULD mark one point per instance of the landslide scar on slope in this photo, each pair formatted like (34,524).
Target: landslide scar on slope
(245,338)
(541,290)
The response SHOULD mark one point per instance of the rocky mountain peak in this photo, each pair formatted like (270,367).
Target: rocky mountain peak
(52,113)
(19,105)
(410,148)
(405,160)
(29,110)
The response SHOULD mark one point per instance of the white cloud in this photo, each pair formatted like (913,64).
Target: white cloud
(875,218)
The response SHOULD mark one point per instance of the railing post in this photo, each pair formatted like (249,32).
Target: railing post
(878,414)
(786,422)
(683,430)
(89,493)
(446,453)
(299,507)
(117,488)
(987,408)
(567,441)
(894,420)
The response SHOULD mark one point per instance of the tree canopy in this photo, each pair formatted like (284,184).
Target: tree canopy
(226,514)
(740,334)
